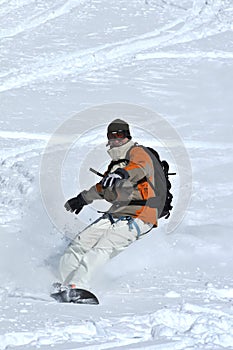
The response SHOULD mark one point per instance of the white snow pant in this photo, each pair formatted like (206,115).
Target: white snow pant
(95,245)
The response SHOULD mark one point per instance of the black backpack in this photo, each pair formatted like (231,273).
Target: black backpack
(162,187)
(165,167)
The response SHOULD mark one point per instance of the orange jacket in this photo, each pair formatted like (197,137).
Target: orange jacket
(139,168)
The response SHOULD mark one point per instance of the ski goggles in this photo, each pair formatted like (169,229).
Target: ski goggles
(116,135)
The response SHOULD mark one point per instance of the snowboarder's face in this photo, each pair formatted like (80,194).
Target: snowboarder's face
(117,142)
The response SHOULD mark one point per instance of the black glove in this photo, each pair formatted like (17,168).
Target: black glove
(75,204)
(111,179)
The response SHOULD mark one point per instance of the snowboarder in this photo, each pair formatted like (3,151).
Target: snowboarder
(128,180)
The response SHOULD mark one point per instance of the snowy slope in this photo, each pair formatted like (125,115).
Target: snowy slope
(60,58)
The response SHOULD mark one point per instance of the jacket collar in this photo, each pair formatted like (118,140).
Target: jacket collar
(120,152)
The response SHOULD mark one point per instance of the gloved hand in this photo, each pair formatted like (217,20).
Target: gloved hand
(75,204)
(111,179)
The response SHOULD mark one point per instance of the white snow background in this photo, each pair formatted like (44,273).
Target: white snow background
(175,57)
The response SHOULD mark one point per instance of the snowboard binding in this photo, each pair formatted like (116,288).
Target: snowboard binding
(75,295)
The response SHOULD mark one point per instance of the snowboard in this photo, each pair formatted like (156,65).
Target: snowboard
(76,296)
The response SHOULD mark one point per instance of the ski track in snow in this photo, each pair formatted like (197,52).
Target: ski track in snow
(187,55)
(39,19)
(200,22)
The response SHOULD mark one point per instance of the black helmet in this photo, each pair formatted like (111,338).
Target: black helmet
(119,126)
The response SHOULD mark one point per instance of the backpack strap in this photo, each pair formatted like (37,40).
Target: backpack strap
(116,162)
